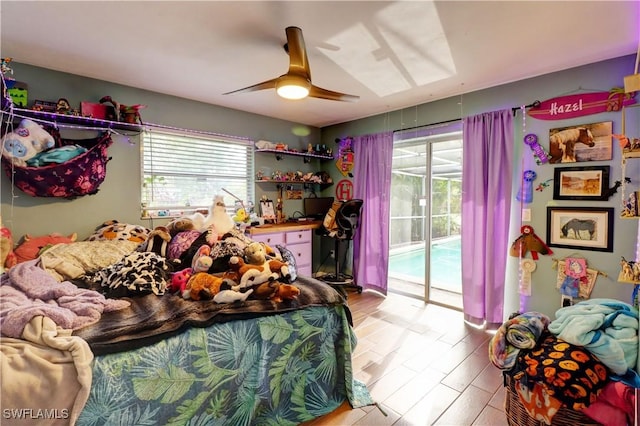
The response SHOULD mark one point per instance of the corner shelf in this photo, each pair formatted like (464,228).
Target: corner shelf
(75,119)
(307,156)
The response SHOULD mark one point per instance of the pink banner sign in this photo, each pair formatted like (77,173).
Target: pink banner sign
(572,106)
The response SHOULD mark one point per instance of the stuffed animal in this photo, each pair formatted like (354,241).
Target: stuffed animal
(25,142)
(157,241)
(275,290)
(230,296)
(181,242)
(178,225)
(114,230)
(260,252)
(256,268)
(218,218)
(285,292)
(31,247)
(179,280)
(202,286)
(7,256)
(202,260)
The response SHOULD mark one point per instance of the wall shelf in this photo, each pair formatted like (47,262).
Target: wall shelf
(76,120)
(293,182)
(307,156)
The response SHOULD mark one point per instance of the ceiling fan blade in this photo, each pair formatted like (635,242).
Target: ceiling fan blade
(298,61)
(269,84)
(318,92)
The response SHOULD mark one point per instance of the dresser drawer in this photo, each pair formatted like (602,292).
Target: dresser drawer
(270,239)
(301,252)
(304,270)
(296,237)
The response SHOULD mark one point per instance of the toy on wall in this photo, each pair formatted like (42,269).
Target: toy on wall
(544,185)
(25,142)
(528,241)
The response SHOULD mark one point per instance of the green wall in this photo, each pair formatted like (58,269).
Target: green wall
(600,76)
(119,197)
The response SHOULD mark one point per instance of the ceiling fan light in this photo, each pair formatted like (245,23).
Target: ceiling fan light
(292,87)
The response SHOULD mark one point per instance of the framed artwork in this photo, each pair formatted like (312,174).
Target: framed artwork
(586,228)
(586,142)
(267,211)
(581,183)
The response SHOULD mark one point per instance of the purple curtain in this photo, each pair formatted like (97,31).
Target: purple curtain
(372,183)
(487,167)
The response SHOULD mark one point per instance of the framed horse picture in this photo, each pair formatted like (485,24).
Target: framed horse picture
(581,183)
(585,228)
(586,142)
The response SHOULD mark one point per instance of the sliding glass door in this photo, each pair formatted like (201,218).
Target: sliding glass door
(424,257)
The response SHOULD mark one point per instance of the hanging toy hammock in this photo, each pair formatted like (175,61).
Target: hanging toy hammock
(78,176)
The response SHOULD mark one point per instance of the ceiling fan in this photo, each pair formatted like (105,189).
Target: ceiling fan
(296,83)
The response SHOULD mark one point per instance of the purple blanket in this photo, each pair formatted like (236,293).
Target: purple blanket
(27,291)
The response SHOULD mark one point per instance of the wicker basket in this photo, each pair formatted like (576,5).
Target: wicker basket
(518,416)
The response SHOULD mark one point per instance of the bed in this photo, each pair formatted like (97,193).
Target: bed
(160,359)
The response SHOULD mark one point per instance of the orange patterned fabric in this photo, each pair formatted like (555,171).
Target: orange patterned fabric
(567,372)
(538,402)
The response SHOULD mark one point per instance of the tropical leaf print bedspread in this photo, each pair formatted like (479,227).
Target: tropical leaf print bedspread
(272,370)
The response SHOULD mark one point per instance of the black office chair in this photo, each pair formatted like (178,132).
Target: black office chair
(346,222)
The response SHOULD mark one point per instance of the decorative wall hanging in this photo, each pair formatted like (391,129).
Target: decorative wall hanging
(581,183)
(575,279)
(539,153)
(587,228)
(528,241)
(585,142)
(345,160)
(525,194)
(527,266)
(579,105)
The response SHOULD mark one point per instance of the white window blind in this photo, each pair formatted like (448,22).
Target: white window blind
(182,172)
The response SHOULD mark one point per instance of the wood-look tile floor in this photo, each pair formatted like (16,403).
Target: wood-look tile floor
(422,364)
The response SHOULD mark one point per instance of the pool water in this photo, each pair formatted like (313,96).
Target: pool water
(446,272)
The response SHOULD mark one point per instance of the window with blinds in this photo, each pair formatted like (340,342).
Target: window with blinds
(182,172)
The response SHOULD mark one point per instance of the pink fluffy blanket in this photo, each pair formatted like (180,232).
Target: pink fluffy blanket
(27,291)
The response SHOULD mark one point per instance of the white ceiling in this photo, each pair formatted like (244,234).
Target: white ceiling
(391,54)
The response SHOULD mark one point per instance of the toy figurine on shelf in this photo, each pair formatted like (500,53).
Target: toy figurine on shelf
(125,113)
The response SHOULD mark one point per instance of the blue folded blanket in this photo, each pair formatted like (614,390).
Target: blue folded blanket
(607,328)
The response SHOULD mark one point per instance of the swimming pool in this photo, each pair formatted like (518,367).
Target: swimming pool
(446,272)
